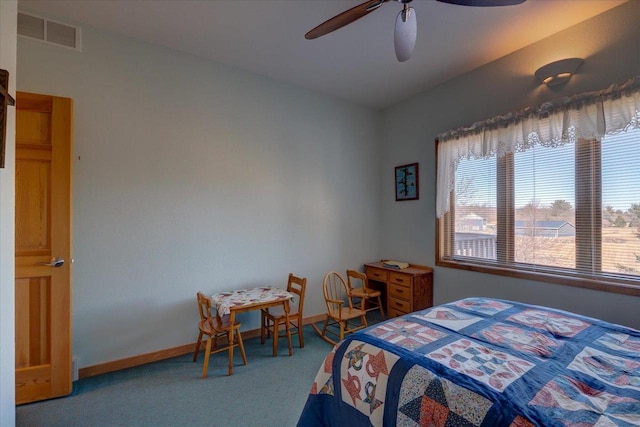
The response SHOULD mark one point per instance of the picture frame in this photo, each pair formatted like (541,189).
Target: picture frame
(407,182)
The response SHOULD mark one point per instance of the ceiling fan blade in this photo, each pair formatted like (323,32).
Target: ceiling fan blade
(346,17)
(483,3)
(406,31)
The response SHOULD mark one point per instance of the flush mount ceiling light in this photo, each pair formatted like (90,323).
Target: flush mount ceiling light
(558,72)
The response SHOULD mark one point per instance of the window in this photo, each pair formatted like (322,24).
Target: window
(558,208)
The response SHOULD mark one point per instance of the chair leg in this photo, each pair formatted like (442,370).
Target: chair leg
(324,328)
(380,305)
(195,352)
(300,337)
(241,345)
(263,326)
(342,327)
(276,328)
(269,325)
(207,354)
(230,372)
(287,328)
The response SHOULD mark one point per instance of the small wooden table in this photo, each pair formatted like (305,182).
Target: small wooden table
(241,300)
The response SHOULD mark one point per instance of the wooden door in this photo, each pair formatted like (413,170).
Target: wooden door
(43,239)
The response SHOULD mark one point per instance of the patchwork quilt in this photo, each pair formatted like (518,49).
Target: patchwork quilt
(481,362)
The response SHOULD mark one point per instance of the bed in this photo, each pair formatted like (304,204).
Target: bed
(480,362)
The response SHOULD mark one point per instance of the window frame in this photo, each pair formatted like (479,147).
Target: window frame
(588,203)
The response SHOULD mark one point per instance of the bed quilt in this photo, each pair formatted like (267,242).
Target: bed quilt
(481,362)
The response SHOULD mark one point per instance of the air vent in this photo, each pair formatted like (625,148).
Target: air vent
(47,31)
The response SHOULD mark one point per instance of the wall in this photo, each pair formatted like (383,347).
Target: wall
(8,14)
(189,175)
(610,44)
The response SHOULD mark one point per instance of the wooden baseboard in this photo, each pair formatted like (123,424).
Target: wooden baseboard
(130,362)
(168,353)
(314,319)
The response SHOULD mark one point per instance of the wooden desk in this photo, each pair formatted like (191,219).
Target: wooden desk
(242,300)
(406,290)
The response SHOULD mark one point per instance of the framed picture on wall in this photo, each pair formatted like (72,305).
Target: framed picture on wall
(407,182)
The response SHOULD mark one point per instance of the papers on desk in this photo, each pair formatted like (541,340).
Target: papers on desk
(396,264)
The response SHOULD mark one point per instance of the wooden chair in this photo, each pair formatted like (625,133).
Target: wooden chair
(358,289)
(272,319)
(340,310)
(214,327)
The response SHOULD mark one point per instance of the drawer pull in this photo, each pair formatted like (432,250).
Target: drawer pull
(400,279)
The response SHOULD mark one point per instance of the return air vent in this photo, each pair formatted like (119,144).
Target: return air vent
(51,32)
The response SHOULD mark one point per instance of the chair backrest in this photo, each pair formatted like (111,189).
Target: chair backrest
(335,292)
(356,280)
(204,308)
(297,285)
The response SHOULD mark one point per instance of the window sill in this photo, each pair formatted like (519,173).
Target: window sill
(606,284)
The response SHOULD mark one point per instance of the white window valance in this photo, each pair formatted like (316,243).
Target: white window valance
(590,115)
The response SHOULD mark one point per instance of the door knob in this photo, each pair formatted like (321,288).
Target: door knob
(55,262)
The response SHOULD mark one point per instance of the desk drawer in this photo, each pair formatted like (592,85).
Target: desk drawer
(399,292)
(377,274)
(399,305)
(400,279)
(395,313)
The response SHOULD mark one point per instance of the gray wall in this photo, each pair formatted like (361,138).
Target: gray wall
(610,44)
(189,175)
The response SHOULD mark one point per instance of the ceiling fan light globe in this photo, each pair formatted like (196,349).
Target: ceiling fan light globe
(405,34)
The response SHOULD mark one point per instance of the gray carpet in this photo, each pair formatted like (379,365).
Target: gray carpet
(269,391)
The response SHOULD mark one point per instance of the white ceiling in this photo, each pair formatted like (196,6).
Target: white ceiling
(355,63)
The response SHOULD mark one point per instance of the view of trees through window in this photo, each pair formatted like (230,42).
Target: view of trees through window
(544,206)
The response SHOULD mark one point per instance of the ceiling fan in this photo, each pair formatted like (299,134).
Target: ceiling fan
(406,28)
